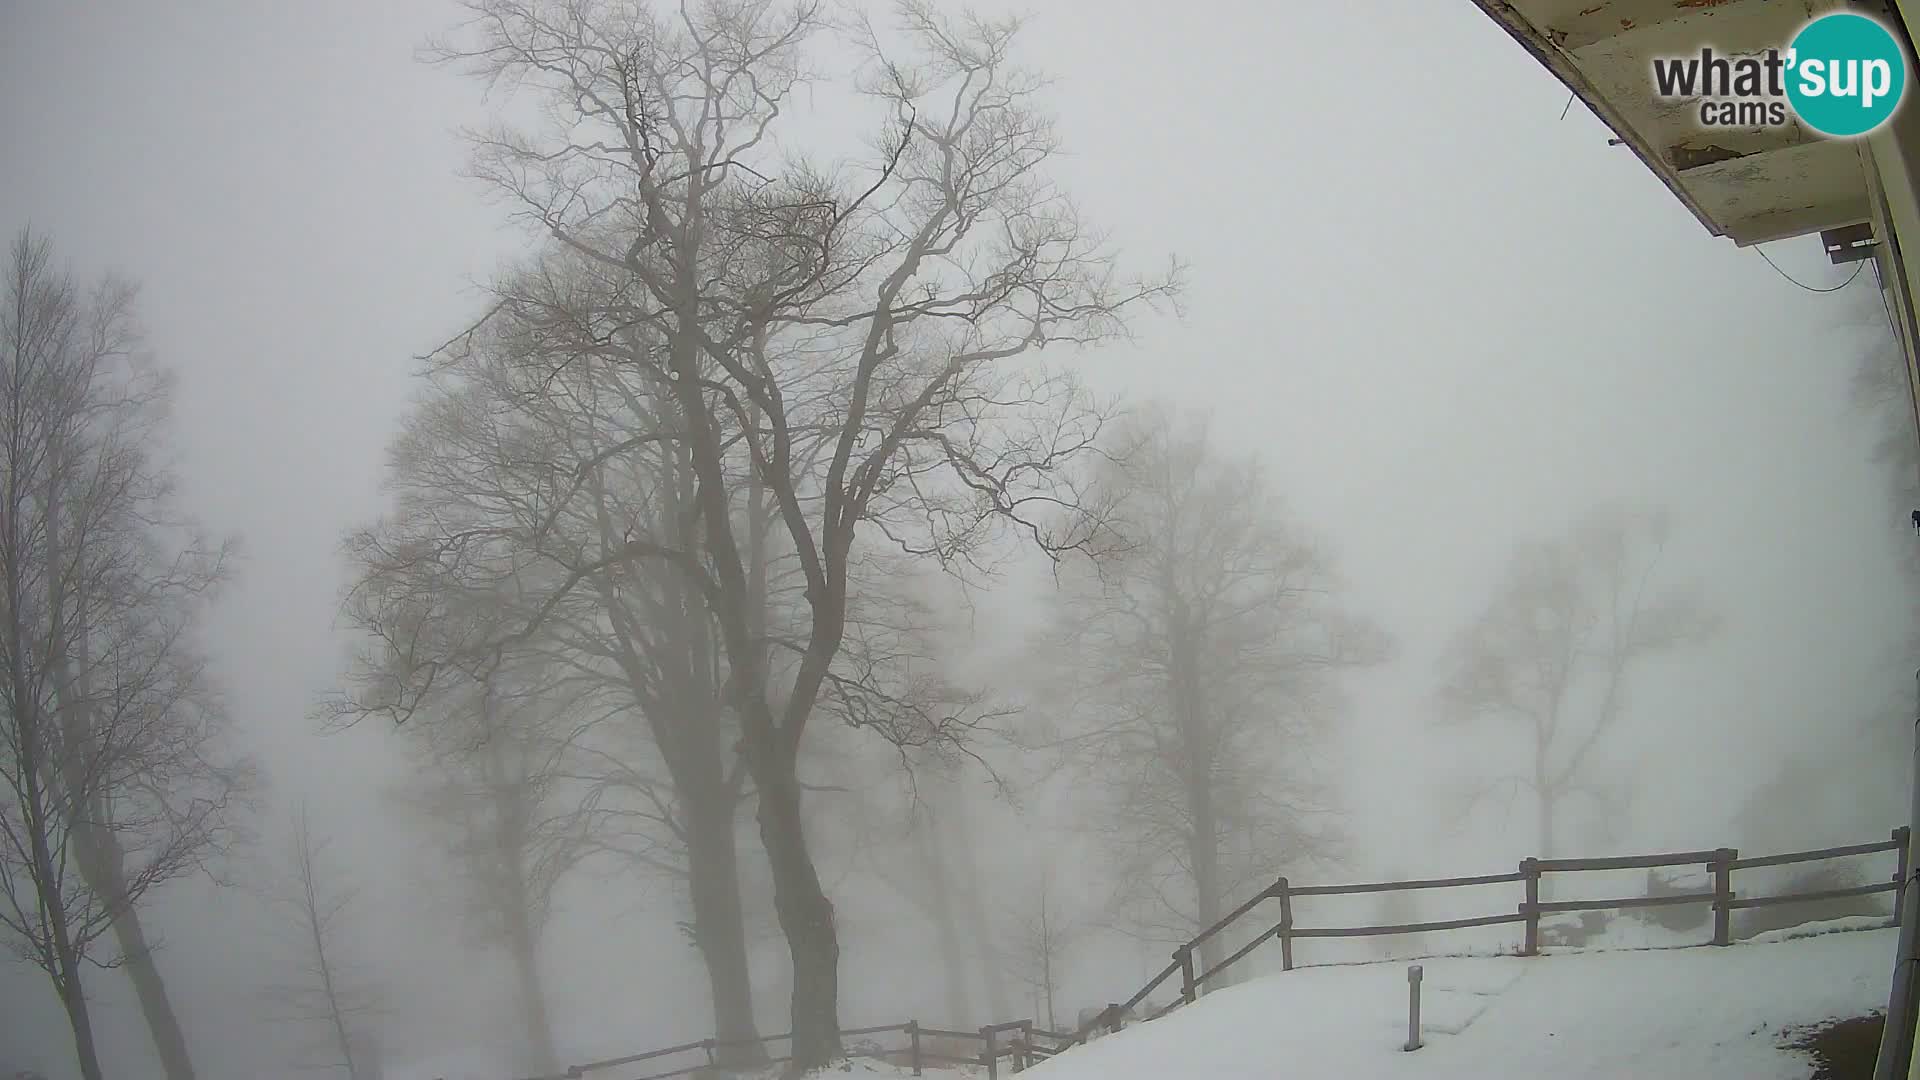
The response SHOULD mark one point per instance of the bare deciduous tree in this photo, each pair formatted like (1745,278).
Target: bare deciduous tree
(1043,937)
(1553,654)
(940,875)
(111,752)
(326,993)
(770,301)
(490,789)
(1211,648)
(512,480)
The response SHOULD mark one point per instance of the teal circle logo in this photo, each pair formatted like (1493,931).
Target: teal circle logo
(1846,74)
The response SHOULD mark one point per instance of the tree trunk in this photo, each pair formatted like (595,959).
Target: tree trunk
(74,998)
(335,1019)
(689,730)
(66,957)
(522,943)
(806,917)
(1203,849)
(155,1006)
(805,913)
(63,959)
(953,960)
(97,854)
(1187,699)
(507,817)
(102,863)
(720,929)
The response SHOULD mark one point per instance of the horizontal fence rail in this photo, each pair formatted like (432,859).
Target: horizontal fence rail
(1404,928)
(1020,1044)
(1399,886)
(1624,862)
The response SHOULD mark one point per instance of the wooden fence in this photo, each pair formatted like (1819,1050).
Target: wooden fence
(1721,863)
(1020,1044)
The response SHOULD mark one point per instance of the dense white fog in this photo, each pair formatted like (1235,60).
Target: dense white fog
(1427,346)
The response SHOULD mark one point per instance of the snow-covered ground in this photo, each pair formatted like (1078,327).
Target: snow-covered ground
(1640,1003)
(1623,1014)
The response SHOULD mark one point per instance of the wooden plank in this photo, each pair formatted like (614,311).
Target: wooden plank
(1626,862)
(944,1033)
(651,1054)
(1236,957)
(1285,929)
(1165,974)
(1394,886)
(1816,854)
(1900,874)
(1530,907)
(1010,1025)
(1231,917)
(867,1030)
(1407,928)
(1723,895)
(1625,902)
(1824,894)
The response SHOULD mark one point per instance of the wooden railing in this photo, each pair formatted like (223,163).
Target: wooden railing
(1720,863)
(1020,1044)
(1017,1043)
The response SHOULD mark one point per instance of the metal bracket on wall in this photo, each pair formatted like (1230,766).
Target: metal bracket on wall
(1849,243)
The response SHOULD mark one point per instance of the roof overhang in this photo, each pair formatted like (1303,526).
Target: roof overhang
(1751,185)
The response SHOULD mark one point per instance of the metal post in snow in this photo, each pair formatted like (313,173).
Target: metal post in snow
(1413,1007)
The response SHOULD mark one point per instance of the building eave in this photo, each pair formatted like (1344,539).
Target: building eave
(1749,185)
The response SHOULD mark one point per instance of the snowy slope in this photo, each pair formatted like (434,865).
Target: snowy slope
(1620,1015)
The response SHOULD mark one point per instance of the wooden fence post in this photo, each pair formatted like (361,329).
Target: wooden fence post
(988,1056)
(1900,875)
(913,1044)
(1723,895)
(1531,906)
(1189,993)
(1022,1058)
(1285,929)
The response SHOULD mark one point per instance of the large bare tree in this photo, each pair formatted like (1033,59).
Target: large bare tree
(874,309)
(1553,655)
(514,482)
(1210,646)
(116,776)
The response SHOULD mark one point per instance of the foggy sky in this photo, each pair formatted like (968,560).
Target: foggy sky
(1445,317)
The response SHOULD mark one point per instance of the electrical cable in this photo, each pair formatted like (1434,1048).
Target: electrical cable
(1831,288)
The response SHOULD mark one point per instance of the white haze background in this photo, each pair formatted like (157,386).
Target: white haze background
(1444,317)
